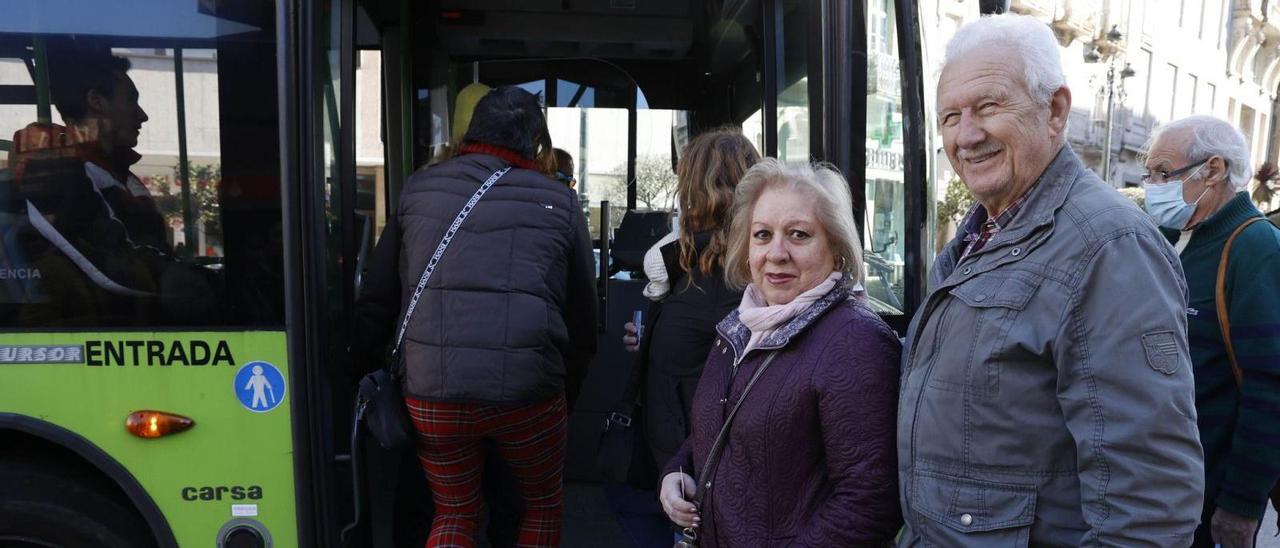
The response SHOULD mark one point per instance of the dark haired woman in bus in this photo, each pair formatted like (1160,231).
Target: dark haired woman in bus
(686,285)
(506,324)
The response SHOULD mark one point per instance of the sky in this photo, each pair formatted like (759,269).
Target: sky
(133,18)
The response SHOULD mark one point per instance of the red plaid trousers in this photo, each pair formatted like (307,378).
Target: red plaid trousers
(530,438)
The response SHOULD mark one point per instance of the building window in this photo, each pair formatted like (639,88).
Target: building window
(1191,11)
(1164,92)
(1246,124)
(1142,84)
(1204,101)
(1221,22)
(1186,100)
(1203,20)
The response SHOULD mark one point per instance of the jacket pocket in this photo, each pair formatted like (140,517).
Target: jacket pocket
(971,512)
(991,304)
(998,289)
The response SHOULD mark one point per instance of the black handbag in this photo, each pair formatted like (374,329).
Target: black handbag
(623,455)
(381,407)
(380,402)
(689,535)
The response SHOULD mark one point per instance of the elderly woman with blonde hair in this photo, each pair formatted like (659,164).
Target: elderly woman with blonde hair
(792,433)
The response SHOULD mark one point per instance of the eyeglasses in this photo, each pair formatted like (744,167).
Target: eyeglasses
(1160,176)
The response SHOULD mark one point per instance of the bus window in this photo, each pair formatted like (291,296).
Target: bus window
(122,206)
(589,106)
(793,97)
(597,140)
(885,222)
(655,174)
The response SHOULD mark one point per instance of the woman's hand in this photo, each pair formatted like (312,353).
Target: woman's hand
(677,489)
(632,339)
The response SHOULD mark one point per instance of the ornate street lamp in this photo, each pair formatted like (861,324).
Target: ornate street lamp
(1115,85)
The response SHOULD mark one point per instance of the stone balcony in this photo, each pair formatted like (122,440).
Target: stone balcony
(1070,19)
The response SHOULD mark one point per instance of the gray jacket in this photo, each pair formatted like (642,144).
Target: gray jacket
(1047,396)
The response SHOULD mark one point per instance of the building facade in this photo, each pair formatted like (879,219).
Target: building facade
(1133,65)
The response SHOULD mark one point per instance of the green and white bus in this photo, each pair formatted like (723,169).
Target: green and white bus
(206,400)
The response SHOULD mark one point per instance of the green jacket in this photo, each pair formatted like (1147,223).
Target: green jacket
(1241,436)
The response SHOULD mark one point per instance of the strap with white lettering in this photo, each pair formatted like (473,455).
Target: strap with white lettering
(444,244)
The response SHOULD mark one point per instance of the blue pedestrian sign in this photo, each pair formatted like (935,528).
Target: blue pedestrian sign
(259,387)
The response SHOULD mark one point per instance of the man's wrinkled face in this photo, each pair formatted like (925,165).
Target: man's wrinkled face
(998,138)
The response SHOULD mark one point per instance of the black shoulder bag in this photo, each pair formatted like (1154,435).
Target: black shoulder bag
(689,537)
(380,396)
(622,455)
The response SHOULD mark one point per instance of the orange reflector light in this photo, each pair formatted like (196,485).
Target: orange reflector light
(155,424)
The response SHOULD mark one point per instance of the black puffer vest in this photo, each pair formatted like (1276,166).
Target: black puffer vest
(501,317)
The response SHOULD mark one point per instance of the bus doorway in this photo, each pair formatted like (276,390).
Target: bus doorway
(625,86)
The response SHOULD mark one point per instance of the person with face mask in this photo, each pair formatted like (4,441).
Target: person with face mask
(1197,171)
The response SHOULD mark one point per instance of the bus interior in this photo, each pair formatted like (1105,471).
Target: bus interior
(627,84)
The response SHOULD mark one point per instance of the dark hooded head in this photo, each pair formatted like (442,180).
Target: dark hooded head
(511,118)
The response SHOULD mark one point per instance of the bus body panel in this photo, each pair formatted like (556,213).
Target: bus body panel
(234,463)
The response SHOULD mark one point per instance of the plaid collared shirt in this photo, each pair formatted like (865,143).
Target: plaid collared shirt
(978,229)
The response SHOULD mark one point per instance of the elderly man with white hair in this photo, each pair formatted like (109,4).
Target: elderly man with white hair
(1197,170)
(1047,393)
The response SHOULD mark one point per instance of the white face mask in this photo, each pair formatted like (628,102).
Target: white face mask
(1164,202)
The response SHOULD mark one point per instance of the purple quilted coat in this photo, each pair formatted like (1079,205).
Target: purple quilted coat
(810,459)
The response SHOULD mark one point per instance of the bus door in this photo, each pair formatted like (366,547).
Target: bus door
(625,85)
(353,156)
(148,392)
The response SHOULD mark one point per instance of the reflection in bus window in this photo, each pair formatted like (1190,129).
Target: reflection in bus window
(120,208)
(793,99)
(753,129)
(885,216)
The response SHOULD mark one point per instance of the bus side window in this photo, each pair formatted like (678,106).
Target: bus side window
(121,206)
(883,240)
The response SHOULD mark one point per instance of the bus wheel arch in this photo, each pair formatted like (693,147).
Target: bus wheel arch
(24,438)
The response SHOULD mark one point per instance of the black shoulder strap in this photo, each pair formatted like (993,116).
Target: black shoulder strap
(435,257)
(635,380)
(626,408)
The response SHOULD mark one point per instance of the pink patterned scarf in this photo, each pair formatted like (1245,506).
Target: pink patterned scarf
(763,319)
